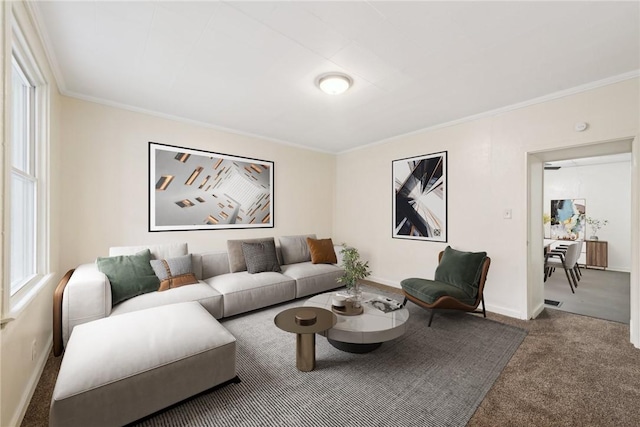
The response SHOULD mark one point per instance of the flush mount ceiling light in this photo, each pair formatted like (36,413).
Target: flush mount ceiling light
(334,83)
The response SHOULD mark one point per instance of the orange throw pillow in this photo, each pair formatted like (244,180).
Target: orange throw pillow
(321,251)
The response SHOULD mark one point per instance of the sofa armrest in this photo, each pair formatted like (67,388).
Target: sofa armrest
(57,313)
(87,297)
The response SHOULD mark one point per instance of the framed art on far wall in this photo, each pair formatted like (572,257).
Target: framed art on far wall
(568,219)
(200,190)
(420,197)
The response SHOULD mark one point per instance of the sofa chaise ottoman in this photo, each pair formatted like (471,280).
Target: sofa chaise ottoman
(122,368)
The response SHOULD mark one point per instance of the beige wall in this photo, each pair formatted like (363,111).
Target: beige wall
(105,179)
(19,374)
(487,173)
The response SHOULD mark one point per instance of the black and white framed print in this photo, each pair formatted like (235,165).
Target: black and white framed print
(420,197)
(200,190)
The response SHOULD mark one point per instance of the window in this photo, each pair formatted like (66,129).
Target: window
(24,182)
(27,178)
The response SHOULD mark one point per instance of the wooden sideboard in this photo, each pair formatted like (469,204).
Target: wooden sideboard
(597,254)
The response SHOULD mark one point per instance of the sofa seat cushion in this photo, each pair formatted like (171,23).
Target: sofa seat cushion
(430,291)
(313,278)
(245,292)
(119,369)
(208,297)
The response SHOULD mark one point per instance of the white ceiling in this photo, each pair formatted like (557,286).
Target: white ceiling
(251,66)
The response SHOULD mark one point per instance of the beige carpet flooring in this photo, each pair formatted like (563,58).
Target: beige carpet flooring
(570,370)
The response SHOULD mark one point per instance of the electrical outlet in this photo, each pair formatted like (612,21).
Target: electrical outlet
(33,350)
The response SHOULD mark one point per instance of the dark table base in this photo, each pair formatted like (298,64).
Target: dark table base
(354,348)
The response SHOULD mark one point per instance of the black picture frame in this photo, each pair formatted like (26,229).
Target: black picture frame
(192,189)
(420,193)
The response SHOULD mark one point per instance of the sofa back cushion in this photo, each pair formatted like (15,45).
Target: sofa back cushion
(214,264)
(237,262)
(165,251)
(129,275)
(295,249)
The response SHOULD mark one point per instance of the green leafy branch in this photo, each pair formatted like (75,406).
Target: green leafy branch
(354,268)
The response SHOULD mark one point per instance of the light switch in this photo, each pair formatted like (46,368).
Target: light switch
(506,214)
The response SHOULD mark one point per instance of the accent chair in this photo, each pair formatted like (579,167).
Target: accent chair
(458,283)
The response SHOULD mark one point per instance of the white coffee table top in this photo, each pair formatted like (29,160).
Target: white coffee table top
(372,326)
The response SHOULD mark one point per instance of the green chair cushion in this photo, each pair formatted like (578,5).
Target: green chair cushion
(461,269)
(129,276)
(430,291)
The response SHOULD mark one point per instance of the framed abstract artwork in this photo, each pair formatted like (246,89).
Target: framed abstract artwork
(200,190)
(420,197)
(568,219)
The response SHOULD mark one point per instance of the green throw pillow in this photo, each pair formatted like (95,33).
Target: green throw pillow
(130,275)
(461,269)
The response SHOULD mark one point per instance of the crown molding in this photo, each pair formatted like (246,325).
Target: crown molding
(181,119)
(498,111)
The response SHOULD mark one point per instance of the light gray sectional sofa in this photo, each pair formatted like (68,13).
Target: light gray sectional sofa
(224,287)
(158,347)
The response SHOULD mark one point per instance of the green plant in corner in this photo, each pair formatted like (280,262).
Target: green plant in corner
(354,268)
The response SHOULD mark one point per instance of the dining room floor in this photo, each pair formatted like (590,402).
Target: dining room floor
(602,294)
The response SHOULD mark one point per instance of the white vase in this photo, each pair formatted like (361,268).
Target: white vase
(593,238)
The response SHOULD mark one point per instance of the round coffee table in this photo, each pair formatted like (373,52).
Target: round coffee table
(305,322)
(365,332)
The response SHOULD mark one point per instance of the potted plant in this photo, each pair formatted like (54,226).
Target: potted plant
(595,225)
(354,269)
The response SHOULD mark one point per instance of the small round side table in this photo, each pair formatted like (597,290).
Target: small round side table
(305,322)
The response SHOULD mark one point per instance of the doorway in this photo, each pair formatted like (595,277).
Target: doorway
(535,211)
(596,192)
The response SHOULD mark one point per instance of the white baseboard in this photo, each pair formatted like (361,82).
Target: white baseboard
(18,416)
(385,282)
(537,311)
(509,312)
(620,269)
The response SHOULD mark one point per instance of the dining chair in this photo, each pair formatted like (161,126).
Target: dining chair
(566,260)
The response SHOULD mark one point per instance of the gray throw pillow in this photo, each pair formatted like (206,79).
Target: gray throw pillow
(129,275)
(174,272)
(295,249)
(236,257)
(260,257)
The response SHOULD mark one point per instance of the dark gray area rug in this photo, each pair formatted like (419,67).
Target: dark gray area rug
(429,377)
